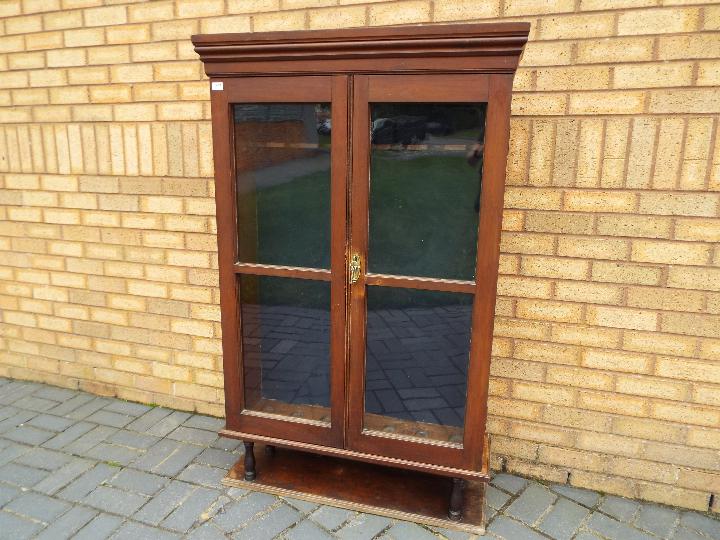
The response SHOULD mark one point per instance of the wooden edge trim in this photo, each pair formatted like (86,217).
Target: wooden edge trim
(429,284)
(483,474)
(281,271)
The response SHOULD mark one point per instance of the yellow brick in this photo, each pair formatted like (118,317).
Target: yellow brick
(578,26)
(593,248)
(659,343)
(131,33)
(538,104)
(252,6)
(115,93)
(615,50)
(48,77)
(66,57)
(177,71)
(609,102)
(665,299)
(341,17)
(584,378)
(105,16)
(643,470)
(691,324)
(218,25)
(634,225)
(188,258)
(44,40)
(685,413)
(549,311)
(62,19)
(573,78)
(154,52)
(538,53)
(699,100)
(462,10)
(88,75)
(651,387)
(553,267)
(588,336)
(134,112)
(608,443)
(173,29)
(709,73)
(412,11)
(534,244)
(195,328)
(653,75)
(84,37)
(648,429)
(23,25)
(112,54)
(543,393)
(543,434)
(617,272)
(559,222)
(613,403)
(593,293)
(175,373)
(200,8)
(658,21)
(670,252)
(616,361)
(514,8)
(703,230)
(634,319)
(575,418)
(575,459)
(180,111)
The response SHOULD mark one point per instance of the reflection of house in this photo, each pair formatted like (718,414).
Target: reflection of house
(274,133)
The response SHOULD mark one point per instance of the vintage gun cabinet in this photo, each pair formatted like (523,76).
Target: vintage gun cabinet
(359,189)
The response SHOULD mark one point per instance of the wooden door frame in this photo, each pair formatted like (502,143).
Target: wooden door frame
(301,89)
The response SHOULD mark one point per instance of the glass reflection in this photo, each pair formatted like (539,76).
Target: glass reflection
(425,180)
(286,346)
(418,345)
(282,162)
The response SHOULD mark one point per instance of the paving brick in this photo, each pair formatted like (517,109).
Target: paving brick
(705,525)
(38,507)
(531,504)
(495,498)
(56,394)
(683,533)
(50,422)
(217,458)
(33,403)
(307,530)
(509,482)
(304,506)
(149,419)
(15,420)
(269,525)
(331,518)
(195,508)
(127,408)
(619,508)
(19,475)
(71,434)
(509,529)
(138,531)
(109,418)
(112,453)
(234,515)
(28,435)
(87,482)
(203,475)
(72,404)
(132,439)
(99,528)
(89,407)
(12,451)
(7,494)
(657,519)
(225,443)
(206,531)
(167,424)
(14,527)
(583,496)
(563,520)
(192,435)
(41,458)
(363,527)
(208,423)
(115,501)
(613,529)
(138,481)
(89,440)
(167,457)
(58,479)
(164,502)
(404,530)
(68,524)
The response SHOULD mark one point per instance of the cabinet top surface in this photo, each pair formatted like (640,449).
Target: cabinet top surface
(489,40)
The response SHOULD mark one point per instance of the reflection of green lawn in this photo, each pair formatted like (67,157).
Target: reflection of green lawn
(422,222)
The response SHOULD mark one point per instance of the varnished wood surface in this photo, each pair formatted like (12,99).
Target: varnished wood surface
(363,487)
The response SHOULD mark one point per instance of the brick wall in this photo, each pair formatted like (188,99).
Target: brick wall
(607,352)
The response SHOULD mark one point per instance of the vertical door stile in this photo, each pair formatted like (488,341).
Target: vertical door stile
(359,189)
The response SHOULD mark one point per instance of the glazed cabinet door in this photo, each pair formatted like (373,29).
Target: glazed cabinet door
(281,180)
(426,200)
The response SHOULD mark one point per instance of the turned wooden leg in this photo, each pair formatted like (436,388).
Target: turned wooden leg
(456,499)
(269,450)
(249,461)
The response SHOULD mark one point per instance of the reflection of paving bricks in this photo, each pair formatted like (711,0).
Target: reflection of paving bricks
(171,488)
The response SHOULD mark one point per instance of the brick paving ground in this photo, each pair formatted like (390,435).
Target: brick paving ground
(74,465)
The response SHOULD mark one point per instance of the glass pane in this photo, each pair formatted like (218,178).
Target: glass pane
(282,162)
(426,162)
(418,345)
(286,346)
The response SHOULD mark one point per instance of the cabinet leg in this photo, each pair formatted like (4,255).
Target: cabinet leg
(249,461)
(269,450)
(456,499)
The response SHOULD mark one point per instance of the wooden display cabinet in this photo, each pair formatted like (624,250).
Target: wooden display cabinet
(359,188)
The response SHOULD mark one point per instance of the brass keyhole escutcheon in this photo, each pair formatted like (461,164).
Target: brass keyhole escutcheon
(355,267)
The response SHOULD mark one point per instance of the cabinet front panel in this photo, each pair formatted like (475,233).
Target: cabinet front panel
(287,185)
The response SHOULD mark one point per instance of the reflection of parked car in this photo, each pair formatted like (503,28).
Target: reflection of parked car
(440,127)
(324,127)
(398,129)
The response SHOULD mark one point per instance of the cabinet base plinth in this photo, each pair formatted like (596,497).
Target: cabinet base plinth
(363,487)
